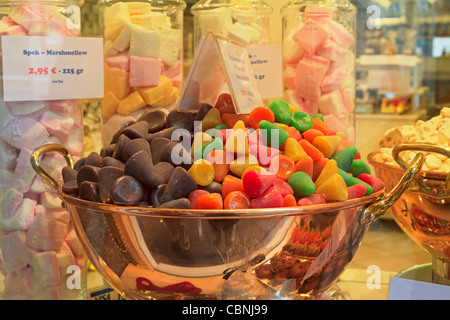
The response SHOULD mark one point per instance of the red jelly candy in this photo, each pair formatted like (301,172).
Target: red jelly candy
(375,182)
(283,187)
(289,201)
(270,199)
(356,191)
(256,183)
(311,200)
(194,195)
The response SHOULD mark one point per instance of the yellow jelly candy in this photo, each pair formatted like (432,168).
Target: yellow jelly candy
(237,141)
(243,162)
(329,170)
(327,144)
(292,108)
(281,125)
(333,189)
(211,119)
(202,171)
(255,168)
(293,150)
(200,138)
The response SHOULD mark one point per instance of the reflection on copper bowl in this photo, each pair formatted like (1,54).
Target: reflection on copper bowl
(155,253)
(423,210)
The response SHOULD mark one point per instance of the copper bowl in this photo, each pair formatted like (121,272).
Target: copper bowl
(154,253)
(423,210)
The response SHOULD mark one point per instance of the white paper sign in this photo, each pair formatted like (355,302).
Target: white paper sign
(406,289)
(267,66)
(52,68)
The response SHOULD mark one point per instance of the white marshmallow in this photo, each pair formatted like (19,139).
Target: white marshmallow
(10,200)
(244,34)
(21,219)
(122,42)
(45,268)
(145,43)
(217,21)
(170,46)
(19,108)
(46,233)
(25,133)
(16,253)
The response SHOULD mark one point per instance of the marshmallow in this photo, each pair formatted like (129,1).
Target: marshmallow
(117,80)
(131,103)
(217,21)
(24,173)
(166,100)
(24,16)
(15,251)
(340,34)
(16,30)
(145,43)
(62,107)
(57,125)
(25,133)
(8,155)
(109,104)
(331,51)
(152,94)
(122,42)
(19,108)
(44,292)
(151,20)
(39,186)
(289,77)
(311,35)
(120,61)
(22,217)
(172,70)
(108,49)
(292,52)
(74,243)
(243,33)
(309,75)
(46,233)
(51,28)
(58,213)
(334,78)
(334,123)
(331,103)
(75,141)
(139,8)
(170,46)
(45,268)
(17,285)
(50,200)
(116,17)
(9,202)
(144,72)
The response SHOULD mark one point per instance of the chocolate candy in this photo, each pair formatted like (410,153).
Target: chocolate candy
(108,150)
(140,165)
(176,154)
(201,113)
(119,132)
(135,146)
(182,203)
(180,185)
(70,187)
(94,159)
(181,119)
(79,164)
(69,174)
(122,141)
(87,173)
(127,191)
(89,191)
(155,196)
(156,120)
(166,133)
(156,146)
(106,177)
(165,170)
(112,162)
(136,130)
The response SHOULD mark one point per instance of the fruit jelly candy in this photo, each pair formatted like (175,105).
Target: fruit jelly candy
(344,157)
(194,195)
(260,113)
(140,166)
(263,153)
(231,183)
(302,184)
(301,121)
(209,201)
(207,148)
(230,119)
(236,200)
(282,186)
(256,183)
(329,170)
(289,201)
(320,125)
(127,190)
(211,119)
(311,134)
(375,182)
(333,189)
(311,200)
(181,183)
(200,138)
(237,141)
(356,191)
(311,150)
(220,161)
(270,199)
(224,99)
(327,144)
(293,150)
(241,163)
(281,111)
(202,171)
(318,116)
(255,168)
(306,164)
(282,166)
(273,135)
(358,167)
(351,181)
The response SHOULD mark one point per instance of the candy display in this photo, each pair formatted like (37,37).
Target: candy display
(143,60)
(188,165)
(435,131)
(40,254)
(244,21)
(319,61)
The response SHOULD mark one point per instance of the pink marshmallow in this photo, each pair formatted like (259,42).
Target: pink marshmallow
(75,141)
(44,292)
(340,34)
(16,30)
(46,234)
(309,75)
(50,28)
(25,133)
(318,12)
(17,285)
(45,268)
(24,16)
(50,200)
(74,243)
(8,155)
(292,52)
(19,108)
(331,50)
(289,77)
(24,173)
(311,35)
(120,61)
(63,107)
(176,80)
(16,253)
(57,125)
(39,186)
(333,123)
(334,78)
(9,202)
(6,20)
(22,217)
(172,71)
(331,103)
(348,99)
(59,214)
(144,71)
(309,106)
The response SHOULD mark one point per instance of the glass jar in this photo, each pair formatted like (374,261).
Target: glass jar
(319,60)
(246,21)
(143,59)
(41,257)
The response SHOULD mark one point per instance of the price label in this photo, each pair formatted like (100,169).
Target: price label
(52,68)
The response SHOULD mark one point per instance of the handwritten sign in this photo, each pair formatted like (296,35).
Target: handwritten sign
(52,68)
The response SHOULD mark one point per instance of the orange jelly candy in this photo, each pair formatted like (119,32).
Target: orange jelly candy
(236,200)
(282,166)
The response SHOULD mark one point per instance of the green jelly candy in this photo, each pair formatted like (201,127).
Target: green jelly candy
(351,181)
(302,184)
(221,126)
(318,116)
(273,134)
(358,166)
(344,157)
(203,151)
(281,110)
(301,121)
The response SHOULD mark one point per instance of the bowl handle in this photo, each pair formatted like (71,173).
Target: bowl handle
(36,164)
(375,210)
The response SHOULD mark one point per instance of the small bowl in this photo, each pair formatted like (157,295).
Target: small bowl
(155,253)
(423,210)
